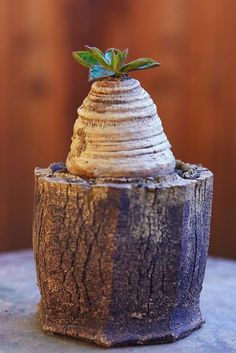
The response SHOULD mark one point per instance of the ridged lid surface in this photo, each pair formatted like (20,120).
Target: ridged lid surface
(119,134)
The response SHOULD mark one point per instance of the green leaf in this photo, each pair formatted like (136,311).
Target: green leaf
(97,72)
(114,57)
(109,55)
(147,66)
(98,55)
(124,55)
(140,64)
(116,51)
(117,61)
(85,58)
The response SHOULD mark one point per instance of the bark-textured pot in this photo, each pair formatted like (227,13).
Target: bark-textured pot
(121,261)
(119,134)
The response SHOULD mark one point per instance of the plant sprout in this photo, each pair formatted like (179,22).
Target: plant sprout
(111,63)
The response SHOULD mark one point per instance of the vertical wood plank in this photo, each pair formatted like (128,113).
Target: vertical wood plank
(34,117)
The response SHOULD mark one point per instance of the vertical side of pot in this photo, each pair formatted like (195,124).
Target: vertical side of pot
(121,264)
(161,250)
(194,244)
(73,248)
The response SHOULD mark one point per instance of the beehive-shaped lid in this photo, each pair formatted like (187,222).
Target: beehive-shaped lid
(119,134)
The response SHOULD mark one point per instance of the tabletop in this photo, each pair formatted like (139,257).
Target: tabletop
(20,331)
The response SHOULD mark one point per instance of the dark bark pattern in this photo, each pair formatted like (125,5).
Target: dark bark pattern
(121,261)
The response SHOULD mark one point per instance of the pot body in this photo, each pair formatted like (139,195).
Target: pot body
(121,261)
(119,134)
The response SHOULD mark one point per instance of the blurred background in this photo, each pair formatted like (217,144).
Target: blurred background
(41,87)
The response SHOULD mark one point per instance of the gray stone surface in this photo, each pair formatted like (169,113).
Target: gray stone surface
(20,331)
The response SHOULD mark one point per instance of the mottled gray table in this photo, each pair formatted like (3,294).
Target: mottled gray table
(20,331)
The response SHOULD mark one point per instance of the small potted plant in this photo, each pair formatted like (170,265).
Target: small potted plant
(121,231)
(118,132)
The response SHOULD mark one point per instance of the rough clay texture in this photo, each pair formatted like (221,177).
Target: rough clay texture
(119,134)
(121,262)
(20,331)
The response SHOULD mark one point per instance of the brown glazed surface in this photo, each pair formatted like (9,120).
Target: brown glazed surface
(119,134)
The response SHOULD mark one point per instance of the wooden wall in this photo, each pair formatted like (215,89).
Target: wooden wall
(41,87)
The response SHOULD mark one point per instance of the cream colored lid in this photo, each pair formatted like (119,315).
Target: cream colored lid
(119,134)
